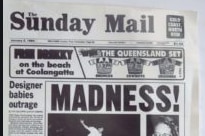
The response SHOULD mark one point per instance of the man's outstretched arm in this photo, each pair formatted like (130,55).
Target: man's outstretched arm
(85,126)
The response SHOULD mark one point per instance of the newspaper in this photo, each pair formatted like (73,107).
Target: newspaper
(90,70)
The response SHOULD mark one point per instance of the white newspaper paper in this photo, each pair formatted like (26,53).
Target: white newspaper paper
(89,70)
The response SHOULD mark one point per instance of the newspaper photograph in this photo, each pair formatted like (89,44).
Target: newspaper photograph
(91,70)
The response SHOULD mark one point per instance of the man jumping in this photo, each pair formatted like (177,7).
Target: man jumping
(93,131)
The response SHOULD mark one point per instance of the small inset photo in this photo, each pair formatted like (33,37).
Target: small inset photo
(162,125)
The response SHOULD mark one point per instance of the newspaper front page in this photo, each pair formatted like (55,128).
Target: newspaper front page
(90,70)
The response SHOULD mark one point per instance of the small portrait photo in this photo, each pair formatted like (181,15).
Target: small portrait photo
(162,125)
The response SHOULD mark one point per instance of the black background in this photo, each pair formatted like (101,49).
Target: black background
(113,124)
